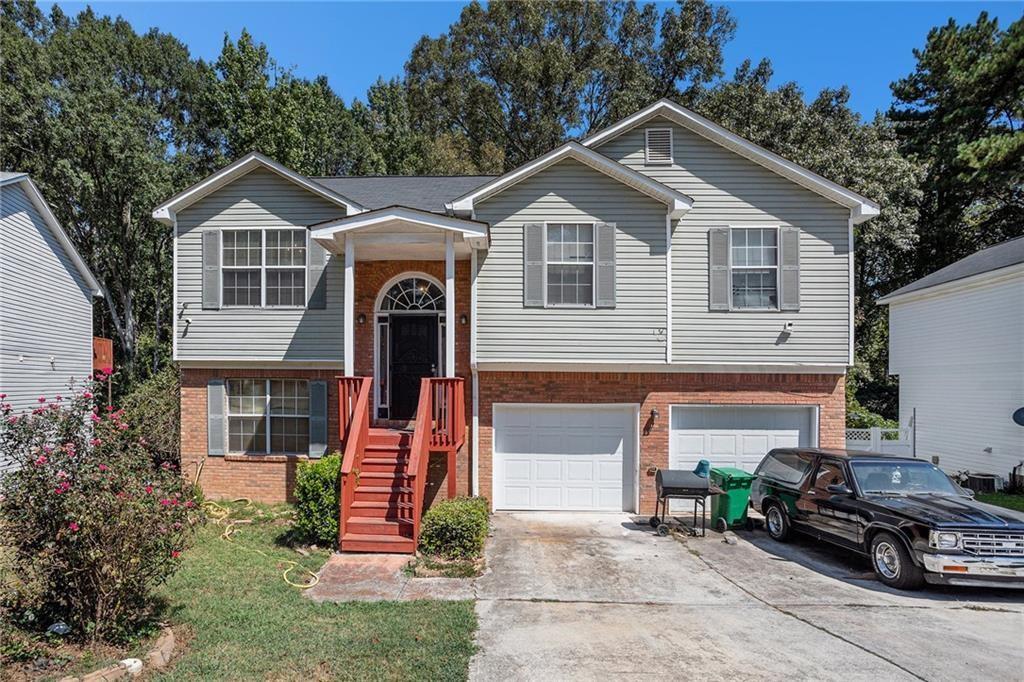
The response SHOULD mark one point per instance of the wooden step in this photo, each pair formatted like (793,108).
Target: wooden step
(390,478)
(389,510)
(389,437)
(397,465)
(374,493)
(376,525)
(387,450)
(365,542)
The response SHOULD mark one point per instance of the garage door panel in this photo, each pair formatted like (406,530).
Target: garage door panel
(576,456)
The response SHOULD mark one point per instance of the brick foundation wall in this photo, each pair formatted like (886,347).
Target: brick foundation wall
(659,391)
(263,478)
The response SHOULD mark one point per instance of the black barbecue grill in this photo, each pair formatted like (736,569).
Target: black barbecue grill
(677,484)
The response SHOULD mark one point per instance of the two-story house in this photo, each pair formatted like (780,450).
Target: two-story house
(661,292)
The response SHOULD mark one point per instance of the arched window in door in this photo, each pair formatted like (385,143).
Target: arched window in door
(413,293)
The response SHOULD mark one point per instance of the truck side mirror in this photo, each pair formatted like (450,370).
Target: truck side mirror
(839,489)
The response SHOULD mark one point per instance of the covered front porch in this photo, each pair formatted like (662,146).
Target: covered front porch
(407,320)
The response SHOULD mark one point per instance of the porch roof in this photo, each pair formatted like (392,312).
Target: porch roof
(393,230)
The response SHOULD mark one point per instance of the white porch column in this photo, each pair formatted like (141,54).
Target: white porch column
(350,306)
(451,324)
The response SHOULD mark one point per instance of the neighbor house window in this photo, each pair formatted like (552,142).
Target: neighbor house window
(264,268)
(755,268)
(570,264)
(268,416)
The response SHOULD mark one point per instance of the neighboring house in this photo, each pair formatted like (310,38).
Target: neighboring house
(956,341)
(46,296)
(662,292)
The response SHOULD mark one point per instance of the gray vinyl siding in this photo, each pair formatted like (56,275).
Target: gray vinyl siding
(731,191)
(45,308)
(260,199)
(571,192)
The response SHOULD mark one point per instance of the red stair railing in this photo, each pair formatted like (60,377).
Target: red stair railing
(354,431)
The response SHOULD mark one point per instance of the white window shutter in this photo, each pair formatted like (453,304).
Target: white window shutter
(211,270)
(216,428)
(316,276)
(658,146)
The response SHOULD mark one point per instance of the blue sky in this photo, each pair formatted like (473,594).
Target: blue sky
(864,45)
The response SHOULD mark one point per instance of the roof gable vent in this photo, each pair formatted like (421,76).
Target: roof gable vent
(659,146)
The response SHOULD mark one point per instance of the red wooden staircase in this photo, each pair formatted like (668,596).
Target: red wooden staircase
(384,471)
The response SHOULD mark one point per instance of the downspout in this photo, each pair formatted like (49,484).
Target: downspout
(474,463)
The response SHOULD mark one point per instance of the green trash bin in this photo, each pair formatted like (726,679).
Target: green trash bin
(729,509)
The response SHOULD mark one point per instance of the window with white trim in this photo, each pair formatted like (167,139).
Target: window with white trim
(570,264)
(268,416)
(263,268)
(755,267)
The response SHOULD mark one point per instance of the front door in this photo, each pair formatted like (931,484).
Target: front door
(413,356)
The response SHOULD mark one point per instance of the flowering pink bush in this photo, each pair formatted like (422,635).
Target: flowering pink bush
(94,523)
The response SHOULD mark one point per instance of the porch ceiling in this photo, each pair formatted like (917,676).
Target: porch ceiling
(401,233)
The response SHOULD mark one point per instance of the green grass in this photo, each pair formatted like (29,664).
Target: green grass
(246,623)
(1008,500)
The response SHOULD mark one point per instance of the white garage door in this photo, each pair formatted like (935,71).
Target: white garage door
(559,457)
(736,436)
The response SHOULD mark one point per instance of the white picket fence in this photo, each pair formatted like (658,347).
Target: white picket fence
(888,441)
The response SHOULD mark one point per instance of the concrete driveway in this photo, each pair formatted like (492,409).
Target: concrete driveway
(580,596)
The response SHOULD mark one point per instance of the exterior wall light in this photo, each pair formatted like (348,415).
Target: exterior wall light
(463,319)
(361,319)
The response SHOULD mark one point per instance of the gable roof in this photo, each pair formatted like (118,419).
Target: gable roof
(422,192)
(677,202)
(474,231)
(997,257)
(165,212)
(7,179)
(861,208)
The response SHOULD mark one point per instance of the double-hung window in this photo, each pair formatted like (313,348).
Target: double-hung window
(755,268)
(268,416)
(570,264)
(263,268)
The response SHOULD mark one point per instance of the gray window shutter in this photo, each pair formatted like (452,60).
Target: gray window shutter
(719,281)
(211,270)
(604,259)
(316,276)
(789,268)
(534,251)
(317,418)
(215,427)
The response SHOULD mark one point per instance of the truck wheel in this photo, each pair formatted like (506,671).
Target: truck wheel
(893,564)
(776,522)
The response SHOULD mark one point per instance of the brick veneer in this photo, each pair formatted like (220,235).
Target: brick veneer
(271,478)
(659,391)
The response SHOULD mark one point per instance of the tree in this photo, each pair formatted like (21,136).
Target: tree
(830,139)
(523,75)
(961,114)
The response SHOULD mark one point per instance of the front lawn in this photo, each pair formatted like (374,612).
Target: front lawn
(247,623)
(1008,500)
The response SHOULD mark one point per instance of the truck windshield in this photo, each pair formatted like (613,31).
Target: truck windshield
(902,478)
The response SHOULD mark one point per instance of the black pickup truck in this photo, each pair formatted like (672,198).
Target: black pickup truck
(907,516)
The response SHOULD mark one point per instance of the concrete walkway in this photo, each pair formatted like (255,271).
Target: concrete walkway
(577,596)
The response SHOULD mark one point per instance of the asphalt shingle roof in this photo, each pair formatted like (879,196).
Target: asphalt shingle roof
(993,258)
(425,192)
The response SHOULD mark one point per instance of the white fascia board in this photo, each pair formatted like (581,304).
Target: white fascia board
(980,279)
(51,221)
(677,202)
(166,211)
(660,367)
(861,207)
(475,233)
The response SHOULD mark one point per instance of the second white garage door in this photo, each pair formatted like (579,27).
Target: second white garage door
(737,435)
(564,457)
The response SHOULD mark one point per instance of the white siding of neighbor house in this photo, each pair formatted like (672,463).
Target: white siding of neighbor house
(571,192)
(45,307)
(731,191)
(959,356)
(260,199)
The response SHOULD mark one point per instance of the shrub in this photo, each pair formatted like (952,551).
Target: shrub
(91,522)
(316,495)
(153,412)
(455,529)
